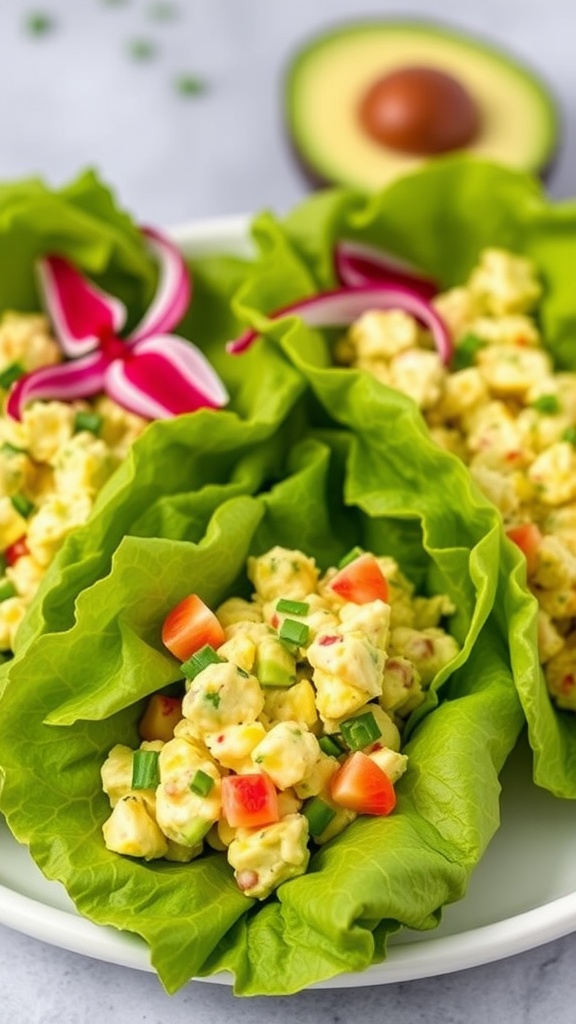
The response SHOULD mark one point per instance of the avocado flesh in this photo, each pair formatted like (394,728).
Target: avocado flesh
(329,78)
(275,666)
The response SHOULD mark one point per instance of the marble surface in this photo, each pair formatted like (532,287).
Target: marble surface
(100,87)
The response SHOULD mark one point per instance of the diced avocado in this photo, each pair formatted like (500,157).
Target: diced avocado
(275,665)
(346,89)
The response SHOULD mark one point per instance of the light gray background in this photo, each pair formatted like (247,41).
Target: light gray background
(77,97)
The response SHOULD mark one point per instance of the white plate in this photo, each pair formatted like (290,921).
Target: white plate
(522,895)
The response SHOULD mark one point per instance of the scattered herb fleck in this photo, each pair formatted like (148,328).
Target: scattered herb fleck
(142,49)
(162,10)
(39,23)
(190,85)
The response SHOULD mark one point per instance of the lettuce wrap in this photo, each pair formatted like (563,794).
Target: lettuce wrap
(350,463)
(439,219)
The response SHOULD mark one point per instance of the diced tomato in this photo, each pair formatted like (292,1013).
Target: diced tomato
(528,538)
(360,785)
(361,581)
(190,626)
(249,801)
(161,715)
(16,550)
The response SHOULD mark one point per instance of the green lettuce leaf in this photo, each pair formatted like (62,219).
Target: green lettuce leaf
(349,464)
(438,219)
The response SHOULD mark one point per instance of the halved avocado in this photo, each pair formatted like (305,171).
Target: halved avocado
(370,101)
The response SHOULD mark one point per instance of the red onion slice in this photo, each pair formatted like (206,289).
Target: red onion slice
(64,382)
(80,312)
(173,292)
(358,264)
(344,305)
(164,376)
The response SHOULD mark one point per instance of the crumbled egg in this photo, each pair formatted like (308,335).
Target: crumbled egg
(51,469)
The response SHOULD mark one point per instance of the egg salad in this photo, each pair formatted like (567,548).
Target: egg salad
(502,408)
(53,462)
(291,717)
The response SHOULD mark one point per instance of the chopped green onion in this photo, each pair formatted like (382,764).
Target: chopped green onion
(201,783)
(7,589)
(295,633)
(547,404)
(199,661)
(351,556)
(10,374)
(466,351)
(11,449)
(319,815)
(90,421)
(145,769)
(360,731)
(292,607)
(329,746)
(570,435)
(22,504)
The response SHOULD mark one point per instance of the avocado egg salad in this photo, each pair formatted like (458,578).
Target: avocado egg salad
(415,686)
(53,462)
(290,723)
(87,301)
(452,286)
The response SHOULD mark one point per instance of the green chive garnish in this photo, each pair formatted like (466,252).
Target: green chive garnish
(466,351)
(360,731)
(10,374)
(145,769)
(292,607)
(90,421)
(319,815)
(351,556)
(570,435)
(329,746)
(199,661)
(7,589)
(547,404)
(294,633)
(22,504)
(201,783)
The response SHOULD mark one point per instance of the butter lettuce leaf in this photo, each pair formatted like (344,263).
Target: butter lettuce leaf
(321,482)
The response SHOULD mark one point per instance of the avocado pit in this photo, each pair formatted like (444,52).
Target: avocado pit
(420,110)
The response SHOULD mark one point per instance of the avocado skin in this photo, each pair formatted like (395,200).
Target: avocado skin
(316,179)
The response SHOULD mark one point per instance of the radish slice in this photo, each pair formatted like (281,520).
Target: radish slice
(358,264)
(344,305)
(173,292)
(80,312)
